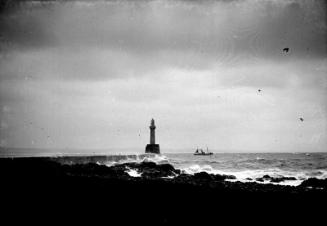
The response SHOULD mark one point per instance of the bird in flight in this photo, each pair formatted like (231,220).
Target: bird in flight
(301,119)
(259,90)
(286,50)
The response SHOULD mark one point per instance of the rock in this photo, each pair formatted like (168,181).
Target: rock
(266,177)
(203,176)
(92,169)
(152,174)
(219,177)
(315,183)
(150,165)
(274,179)
(152,170)
(281,179)
(166,168)
(184,177)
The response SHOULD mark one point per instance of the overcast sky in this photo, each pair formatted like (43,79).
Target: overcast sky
(91,75)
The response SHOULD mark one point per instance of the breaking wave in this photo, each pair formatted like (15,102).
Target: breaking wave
(253,175)
(112,160)
(133,172)
(245,167)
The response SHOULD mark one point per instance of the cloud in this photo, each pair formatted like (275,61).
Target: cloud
(122,39)
(297,73)
(218,29)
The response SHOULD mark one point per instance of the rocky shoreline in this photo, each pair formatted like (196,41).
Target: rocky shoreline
(167,173)
(151,188)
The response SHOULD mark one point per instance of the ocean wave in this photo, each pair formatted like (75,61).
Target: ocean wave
(320,174)
(112,160)
(158,159)
(253,175)
(192,169)
(133,172)
(246,168)
(259,158)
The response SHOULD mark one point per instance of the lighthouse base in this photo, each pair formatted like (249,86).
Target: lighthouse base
(152,148)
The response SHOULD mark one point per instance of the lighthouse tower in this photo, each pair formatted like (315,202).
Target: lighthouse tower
(152,147)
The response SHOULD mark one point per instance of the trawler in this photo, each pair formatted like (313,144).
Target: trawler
(201,152)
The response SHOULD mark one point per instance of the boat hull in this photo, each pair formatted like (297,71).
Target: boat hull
(203,154)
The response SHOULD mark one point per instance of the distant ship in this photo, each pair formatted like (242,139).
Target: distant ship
(201,152)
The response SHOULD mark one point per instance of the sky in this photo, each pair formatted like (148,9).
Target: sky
(91,74)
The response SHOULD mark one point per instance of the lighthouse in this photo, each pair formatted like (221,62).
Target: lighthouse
(152,147)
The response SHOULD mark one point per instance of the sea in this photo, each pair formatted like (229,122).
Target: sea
(246,167)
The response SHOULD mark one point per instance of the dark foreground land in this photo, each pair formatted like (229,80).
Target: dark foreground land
(40,188)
